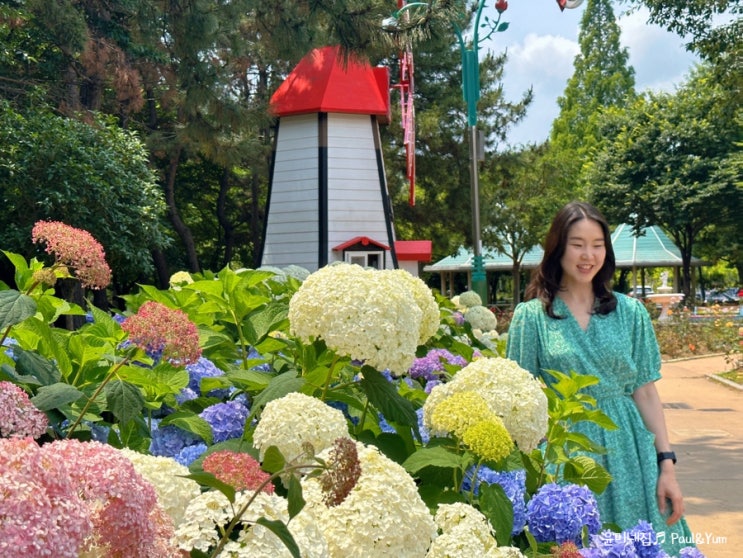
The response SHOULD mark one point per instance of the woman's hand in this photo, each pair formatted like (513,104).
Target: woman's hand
(669,492)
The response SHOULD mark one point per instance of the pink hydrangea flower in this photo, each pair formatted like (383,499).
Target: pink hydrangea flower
(239,470)
(77,249)
(19,417)
(42,512)
(159,329)
(126,516)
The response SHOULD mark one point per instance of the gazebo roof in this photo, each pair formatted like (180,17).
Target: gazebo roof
(651,249)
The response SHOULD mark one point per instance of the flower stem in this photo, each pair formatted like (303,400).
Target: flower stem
(95,395)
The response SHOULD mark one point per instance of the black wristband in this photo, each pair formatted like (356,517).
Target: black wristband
(667,455)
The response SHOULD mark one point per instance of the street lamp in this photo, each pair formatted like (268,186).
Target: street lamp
(469,50)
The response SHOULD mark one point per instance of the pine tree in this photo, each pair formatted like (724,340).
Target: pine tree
(602,78)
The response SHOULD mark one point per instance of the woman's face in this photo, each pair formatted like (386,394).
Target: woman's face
(584,255)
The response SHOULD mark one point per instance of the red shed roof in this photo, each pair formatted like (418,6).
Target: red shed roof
(321,82)
(363,241)
(413,250)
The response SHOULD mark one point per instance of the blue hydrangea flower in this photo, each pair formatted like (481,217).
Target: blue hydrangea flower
(204,368)
(690,552)
(425,432)
(646,540)
(255,355)
(226,419)
(557,513)
(609,544)
(168,440)
(513,484)
(189,454)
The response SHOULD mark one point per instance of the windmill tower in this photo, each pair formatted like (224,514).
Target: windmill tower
(328,198)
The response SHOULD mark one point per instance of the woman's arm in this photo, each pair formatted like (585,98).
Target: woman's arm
(648,403)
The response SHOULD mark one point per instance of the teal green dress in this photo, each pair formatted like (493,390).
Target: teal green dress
(620,349)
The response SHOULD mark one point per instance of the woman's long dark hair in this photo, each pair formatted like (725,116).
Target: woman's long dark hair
(545,279)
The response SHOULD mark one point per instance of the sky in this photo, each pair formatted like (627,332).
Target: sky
(542,42)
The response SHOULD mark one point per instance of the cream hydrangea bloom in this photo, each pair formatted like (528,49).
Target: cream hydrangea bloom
(383,515)
(464,532)
(174,492)
(361,313)
(459,412)
(210,511)
(296,419)
(423,297)
(511,392)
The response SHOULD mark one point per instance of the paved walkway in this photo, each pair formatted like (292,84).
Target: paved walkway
(705,424)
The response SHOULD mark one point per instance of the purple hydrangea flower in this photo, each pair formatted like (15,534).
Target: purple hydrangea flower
(513,484)
(645,540)
(609,544)
(226,419)
(690,552)
(558,513)
(168,440)
(431,366)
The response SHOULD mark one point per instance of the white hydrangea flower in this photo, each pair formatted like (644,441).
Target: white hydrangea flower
(480,317)
(504,552)
(211,510)
(383,515)
(425,300)
(468,299)
(295,419)
(465,532)
(361,313)
(174,492)
(511,392)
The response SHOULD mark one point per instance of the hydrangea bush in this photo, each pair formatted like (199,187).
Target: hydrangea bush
(343,412)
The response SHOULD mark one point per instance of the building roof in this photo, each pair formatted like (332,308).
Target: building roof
(324,82)
(492,260)
(360,241)
(653,248)
(414,250)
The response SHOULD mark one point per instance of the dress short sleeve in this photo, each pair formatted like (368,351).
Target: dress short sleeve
(645,351)
(523,339)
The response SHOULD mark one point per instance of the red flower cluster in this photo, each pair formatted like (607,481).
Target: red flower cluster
(164,331)
(239,470)
(77,249)
(566,550)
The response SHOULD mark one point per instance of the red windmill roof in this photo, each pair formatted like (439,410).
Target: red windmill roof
(321,82)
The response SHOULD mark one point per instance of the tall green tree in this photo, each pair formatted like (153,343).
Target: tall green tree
(602,78)
(674,161)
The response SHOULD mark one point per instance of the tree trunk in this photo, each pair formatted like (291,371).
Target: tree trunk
(224,222)
(516,279)
(161,269)
(180,227)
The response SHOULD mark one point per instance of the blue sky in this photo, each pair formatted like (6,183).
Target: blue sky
(542,42)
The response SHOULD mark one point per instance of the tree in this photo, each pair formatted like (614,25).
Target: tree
(90,176)
(519,202)
(602,78)
(674,162)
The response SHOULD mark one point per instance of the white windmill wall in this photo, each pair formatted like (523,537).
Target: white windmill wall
(292,229)
(355,203)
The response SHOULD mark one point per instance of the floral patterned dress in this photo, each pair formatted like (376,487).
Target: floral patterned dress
(620,349)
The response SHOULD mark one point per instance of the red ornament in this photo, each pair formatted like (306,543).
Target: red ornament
(501,6)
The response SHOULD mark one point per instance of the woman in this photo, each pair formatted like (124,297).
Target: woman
(572,320)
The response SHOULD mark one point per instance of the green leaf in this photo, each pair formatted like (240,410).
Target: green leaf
(384,396)
(124,400)
(294,496)
(190,422)
(273,460)
(55,396)
(7,372)
(207,479)
(15,308)
(33,364)
(432,457)
(584,470)
(498,509)
(280,530)
(259,323)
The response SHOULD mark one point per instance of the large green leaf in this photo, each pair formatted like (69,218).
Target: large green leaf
(259,323)
(433,457)
(280,530)
(207,479)
(191,423)
(55,396)
(384,396)
(496,506)
(584,470)
(33,364)
(294,496)
(15,307)
(124,400)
